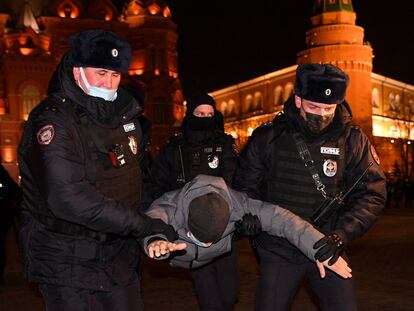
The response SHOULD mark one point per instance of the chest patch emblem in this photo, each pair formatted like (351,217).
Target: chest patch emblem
(330,150)
(330,167)
(46,134)
(133,145)
(129,127)
(213,161)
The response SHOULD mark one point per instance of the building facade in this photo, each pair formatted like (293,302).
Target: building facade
(383,107)
(34,35)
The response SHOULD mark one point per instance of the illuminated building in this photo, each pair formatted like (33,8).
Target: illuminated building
(383,107)
(34,36)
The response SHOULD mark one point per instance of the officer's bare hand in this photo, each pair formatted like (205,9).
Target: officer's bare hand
(340,267)
(160,248)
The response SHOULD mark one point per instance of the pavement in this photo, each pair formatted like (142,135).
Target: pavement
(382,263)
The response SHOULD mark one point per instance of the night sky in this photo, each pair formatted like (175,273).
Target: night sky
(225,42)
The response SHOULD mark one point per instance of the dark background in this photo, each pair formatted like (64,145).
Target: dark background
(225,42)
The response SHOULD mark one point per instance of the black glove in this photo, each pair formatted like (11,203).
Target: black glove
(152,226)
(249,226)
(332,245)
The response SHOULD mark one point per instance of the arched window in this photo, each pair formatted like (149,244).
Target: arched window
(248,103)
(258,101)
(288,91)
(223,108)
(31,97)
(393,102)
(68,9)
(231,108)
(278,97)
(375,98)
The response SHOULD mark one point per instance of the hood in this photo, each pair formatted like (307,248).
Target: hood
(105,113)
(202,184)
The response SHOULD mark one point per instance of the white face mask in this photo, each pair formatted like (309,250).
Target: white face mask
(109,95)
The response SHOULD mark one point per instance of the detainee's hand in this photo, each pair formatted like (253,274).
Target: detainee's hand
(340,267)
(160,248)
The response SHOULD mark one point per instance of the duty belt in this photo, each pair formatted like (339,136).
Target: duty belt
(64,227)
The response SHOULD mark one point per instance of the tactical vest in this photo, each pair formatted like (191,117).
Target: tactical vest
(191,160)
(290,184)
(111,158)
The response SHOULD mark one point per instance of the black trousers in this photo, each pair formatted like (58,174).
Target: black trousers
(280,279)
(217,284)
(61,298)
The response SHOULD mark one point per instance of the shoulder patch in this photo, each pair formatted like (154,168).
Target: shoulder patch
(46,134)
(374,155)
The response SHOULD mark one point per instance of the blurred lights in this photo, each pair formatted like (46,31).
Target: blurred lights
(8,154)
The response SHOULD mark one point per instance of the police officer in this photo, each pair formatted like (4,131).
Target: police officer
(202,148)
(79,161)
(306,156)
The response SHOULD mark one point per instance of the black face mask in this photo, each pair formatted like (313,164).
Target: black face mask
(201,123)
(317,123)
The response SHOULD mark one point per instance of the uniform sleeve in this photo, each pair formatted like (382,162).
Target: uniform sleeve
(56,162)
(230,160)
(367,200)
(160,177)
(280,222)
(163,208)
(252,169)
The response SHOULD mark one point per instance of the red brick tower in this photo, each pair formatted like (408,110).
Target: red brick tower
(334,38)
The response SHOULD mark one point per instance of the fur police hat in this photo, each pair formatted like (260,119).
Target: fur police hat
(208,217)
(100,49)
(199,99)
(321,83)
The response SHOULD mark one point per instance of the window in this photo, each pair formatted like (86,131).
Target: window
(231,108)
(258,101)
(375,98)
(278,97)
(248,103)
(31,97)
(288,91)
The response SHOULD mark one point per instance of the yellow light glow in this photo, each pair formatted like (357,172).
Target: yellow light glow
(139,71)
(157,72)
(250,131)
(26,51)
(8,154)
(234,134)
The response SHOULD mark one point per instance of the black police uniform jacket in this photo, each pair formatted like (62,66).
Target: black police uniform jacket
(272,170)
(190,153)
(80,211)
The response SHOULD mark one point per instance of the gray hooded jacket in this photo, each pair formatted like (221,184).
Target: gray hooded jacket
(172,208)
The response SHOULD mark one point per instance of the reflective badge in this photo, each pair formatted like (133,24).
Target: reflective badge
(330,150)
(213,161)
(133,145)
(46,134)
(330,167)
(375,155)
(129,127)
